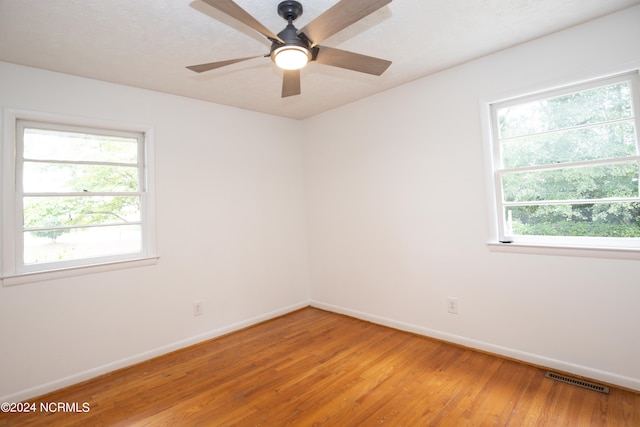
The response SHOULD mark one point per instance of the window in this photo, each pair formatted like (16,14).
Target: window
(567,166)
(79,196)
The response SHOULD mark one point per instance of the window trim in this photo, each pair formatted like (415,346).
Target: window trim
(548,245)
(13,272)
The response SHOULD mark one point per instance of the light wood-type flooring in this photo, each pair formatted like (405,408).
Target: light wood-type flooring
(315,368)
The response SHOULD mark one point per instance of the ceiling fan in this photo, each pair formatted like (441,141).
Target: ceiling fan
(292,49)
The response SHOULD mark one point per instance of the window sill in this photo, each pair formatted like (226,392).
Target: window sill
(565,250)
(39,276)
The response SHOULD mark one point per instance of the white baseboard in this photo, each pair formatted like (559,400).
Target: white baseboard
(534,359)
(141,357)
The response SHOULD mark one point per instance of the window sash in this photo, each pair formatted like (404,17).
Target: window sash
(500,171)
(20,266)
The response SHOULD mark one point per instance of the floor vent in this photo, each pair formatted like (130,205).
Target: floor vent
(578,382)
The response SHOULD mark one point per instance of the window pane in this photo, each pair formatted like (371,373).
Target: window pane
(589,182)
(592,106)
(594,220)
(81,243)
(598,142)
(41,144)
(64,177)
(82,210)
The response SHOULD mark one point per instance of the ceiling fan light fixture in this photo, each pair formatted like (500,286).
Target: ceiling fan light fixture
(291,57)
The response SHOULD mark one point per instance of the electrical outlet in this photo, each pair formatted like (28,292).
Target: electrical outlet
(452,305)
(197,308)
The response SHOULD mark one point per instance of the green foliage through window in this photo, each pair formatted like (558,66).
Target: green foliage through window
(569,163)
(81,184)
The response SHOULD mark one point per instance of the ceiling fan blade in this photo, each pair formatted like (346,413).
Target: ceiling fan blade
(339,17)
(213,65)
(233,10)
(291,83)
(351,61)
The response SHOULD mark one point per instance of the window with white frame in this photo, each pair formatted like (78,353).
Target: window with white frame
(567,165)
(79,196)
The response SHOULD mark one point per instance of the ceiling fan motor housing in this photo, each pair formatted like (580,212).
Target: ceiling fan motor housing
(290,37)
(291,10)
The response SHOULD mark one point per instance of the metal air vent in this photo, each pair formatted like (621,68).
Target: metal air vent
(578,382)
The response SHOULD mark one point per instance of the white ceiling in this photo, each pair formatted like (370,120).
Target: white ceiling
(148,43)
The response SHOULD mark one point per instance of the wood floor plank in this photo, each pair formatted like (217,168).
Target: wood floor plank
(312,367)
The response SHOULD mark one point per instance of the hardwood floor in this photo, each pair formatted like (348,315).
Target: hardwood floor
(314,368)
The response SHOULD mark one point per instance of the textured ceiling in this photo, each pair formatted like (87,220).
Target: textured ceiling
(148,43)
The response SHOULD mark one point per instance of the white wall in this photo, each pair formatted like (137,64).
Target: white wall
(230,228)
(398,216)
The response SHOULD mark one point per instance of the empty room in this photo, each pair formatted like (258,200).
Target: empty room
(331,212)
